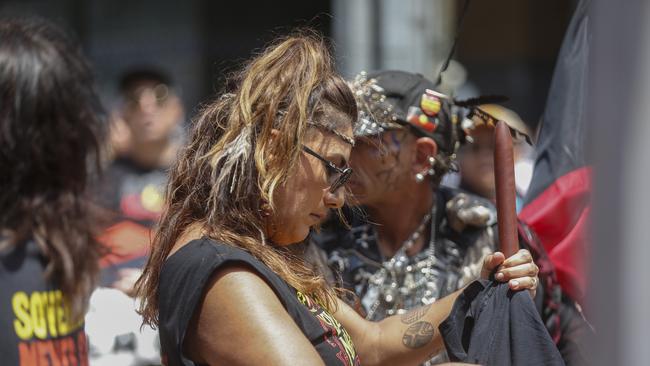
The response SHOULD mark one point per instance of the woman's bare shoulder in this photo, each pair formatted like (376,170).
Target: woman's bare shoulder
(240,320)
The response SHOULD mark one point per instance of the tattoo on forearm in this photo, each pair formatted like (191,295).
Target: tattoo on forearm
(415,314)
(418,334)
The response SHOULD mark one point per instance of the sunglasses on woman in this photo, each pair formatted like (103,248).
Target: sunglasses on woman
(342,175)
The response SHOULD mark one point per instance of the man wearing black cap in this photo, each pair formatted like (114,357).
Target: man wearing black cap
(420,241)
(413,241)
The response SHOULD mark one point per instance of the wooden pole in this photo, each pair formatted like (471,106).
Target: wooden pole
(504,175)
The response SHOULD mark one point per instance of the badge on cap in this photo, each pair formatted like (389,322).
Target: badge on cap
(419,119)
(429,103)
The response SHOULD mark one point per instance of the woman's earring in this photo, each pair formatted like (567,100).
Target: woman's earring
(419,177)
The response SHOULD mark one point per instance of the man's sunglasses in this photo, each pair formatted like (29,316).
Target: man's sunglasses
(342,175)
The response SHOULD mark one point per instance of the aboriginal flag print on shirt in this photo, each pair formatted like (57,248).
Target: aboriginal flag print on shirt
(35,321)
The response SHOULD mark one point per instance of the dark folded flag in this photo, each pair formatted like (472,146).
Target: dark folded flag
(557,204)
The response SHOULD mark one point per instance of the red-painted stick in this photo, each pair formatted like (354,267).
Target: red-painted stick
(504,175)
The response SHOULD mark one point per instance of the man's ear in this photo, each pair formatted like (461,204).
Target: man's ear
(425,148)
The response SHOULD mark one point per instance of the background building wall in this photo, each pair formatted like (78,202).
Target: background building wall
(506,46)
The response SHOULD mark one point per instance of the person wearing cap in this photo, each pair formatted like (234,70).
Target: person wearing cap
(476,159)
(411,241)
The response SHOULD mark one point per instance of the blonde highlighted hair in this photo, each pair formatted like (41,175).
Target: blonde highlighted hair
(231,167)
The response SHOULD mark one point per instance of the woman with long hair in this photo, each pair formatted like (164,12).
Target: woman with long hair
(265,163)
(49,141)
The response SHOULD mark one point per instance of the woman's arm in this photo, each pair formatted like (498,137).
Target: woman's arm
(412,338)
(407,339)
(241,321)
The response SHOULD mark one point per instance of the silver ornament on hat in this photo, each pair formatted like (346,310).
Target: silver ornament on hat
(376,114)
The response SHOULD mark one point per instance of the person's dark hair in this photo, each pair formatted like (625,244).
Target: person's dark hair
(232,165)
(50,129)
(132,77)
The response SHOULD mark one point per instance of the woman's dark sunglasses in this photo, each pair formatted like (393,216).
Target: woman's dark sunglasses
(343,174)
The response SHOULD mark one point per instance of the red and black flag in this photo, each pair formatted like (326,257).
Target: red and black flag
(557,204)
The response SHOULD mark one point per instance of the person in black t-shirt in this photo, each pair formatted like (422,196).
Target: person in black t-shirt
(131,188)
(150,119)
(265,163)
(151,113)
(49,139)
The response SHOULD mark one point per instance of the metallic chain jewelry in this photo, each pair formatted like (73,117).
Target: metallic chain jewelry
(403,283)
(408,243)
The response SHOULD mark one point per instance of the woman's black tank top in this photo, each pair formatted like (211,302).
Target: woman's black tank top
(182,282)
